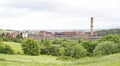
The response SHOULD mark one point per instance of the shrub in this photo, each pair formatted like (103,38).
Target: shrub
(61,51)
(54,50)
(57,41)
(79,51)
(73,49)
(68,47)
(5,38)
(80,40)
(115,38)
(46,46)
(105,48)
(90,46)
(31,47)
(5,49)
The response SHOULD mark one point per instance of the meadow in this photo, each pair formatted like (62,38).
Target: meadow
(48,60)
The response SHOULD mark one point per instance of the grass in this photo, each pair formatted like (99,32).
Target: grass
(15,46)
(45,60)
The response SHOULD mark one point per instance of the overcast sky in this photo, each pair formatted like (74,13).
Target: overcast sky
(59,14)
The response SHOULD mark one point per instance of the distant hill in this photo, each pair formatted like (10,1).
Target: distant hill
(106,32)
(5,31)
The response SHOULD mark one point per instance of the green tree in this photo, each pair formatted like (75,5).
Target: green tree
(57,41)
(90,46)
(73,49)
(61,51)
(115,38)
(46,46)
(31,47)
(105,48)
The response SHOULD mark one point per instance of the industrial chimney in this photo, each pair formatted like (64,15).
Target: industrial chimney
(91,26)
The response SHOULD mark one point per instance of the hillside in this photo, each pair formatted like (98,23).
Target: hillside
(5,31)
(106,32)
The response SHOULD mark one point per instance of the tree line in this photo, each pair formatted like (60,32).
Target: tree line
(109,44)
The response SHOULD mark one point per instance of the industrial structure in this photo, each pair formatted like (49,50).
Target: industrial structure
(92,32)
(64,34)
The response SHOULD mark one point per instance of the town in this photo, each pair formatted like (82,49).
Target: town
(52,35)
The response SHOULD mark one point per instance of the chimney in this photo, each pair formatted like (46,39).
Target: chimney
(91,26)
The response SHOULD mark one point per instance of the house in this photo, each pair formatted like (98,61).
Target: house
(65,34)
(24,35)
(45,34)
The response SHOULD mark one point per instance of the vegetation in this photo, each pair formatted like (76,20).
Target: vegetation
(5,49)
(90,46)
(63,52)
(115,38)
(45,60)
(16,47)
(107,32)
(31,47)
(73,49)
(106,48)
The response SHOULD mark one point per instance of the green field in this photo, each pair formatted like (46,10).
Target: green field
(47,60)
(44,60)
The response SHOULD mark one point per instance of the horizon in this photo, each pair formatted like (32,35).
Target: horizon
(59,14)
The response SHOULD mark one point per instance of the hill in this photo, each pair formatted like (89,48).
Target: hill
(5,31)
(106,32)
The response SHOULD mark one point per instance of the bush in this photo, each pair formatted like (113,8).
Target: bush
(68,47)
(90,46)
(79,51)
(5,49)
(115,38)
(46,46)
(5,38)
(31,47)
(57,41)
(61,51)
(73,49)
(105,48)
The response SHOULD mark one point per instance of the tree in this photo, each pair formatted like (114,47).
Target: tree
(105,48)
(31,47)
(61,51)
(73,49)
(57,41)
(115,38)
(46,46)
(80,40)
(90,46)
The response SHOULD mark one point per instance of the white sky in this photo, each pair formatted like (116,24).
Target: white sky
(59,14)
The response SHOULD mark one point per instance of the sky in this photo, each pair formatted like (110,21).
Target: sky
(59,14)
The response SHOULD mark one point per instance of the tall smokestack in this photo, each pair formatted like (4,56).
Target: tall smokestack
(91,26)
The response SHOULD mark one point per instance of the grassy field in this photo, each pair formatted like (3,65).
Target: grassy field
(46,60)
